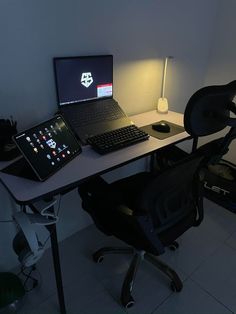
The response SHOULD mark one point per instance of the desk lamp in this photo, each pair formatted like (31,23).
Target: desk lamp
(162,105)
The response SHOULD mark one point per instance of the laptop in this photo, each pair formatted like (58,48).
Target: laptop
(84,87)
(46,148)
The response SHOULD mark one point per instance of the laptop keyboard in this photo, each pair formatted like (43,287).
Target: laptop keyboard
(107,112)
(116,139)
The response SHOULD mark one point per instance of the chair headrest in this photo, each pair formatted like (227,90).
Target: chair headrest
(208,110)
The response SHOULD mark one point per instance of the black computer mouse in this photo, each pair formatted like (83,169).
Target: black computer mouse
(161,127)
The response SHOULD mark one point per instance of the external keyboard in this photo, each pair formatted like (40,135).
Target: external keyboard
(116,139)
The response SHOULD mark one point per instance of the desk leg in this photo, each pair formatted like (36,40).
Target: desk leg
(57,267)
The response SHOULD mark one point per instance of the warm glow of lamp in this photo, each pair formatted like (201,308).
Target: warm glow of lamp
(162,104)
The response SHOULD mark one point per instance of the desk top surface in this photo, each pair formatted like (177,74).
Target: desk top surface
(90,163)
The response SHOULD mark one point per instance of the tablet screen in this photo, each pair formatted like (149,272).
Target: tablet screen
(48,146)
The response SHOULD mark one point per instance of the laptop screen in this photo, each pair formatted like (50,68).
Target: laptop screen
(80,79)
(48,146)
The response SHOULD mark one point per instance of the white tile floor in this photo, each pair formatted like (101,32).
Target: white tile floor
(205,260)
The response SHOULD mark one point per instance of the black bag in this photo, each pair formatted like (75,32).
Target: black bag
(220,184)
(11,291)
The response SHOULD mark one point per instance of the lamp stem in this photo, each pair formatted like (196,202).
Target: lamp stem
(164,76)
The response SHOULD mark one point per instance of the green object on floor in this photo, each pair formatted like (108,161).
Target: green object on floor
(11,289)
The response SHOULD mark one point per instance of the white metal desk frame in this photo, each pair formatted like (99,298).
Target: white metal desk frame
(86,165)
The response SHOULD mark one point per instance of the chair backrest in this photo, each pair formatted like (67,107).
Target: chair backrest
(173,195)
(208,111)
(177,192)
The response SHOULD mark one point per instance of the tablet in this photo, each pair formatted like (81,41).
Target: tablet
(48,146)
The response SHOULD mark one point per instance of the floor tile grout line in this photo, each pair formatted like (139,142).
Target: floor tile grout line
(210,294)
(162,302)
(204,260)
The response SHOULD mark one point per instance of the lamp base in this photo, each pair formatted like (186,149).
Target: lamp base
(162,105)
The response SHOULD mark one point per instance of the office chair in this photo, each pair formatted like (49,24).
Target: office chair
(149,211)
(207,112)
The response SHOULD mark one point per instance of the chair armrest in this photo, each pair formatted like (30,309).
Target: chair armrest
(129,212)
(125,210)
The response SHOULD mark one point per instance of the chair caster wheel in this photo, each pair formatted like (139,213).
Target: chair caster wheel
(97,258)
(176,287)
(174,246)
(127,302)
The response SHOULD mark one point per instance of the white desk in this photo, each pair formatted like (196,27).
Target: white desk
(87,164)
(90,163)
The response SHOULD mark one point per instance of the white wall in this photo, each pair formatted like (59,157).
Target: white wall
(138,33)
(222,61)
(222,58)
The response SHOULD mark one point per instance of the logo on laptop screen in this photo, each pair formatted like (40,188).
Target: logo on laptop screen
(86,79)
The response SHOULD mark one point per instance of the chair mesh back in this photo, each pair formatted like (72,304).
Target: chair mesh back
(171,196)
(208,110)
